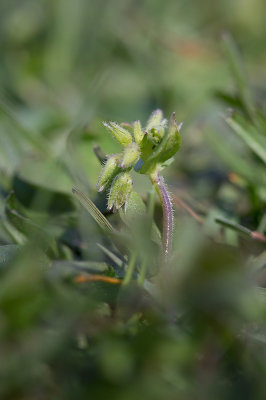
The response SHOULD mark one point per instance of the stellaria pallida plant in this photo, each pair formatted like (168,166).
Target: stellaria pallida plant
(148,151)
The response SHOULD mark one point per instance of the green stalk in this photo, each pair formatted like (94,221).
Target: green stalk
(130,268)
(142,272)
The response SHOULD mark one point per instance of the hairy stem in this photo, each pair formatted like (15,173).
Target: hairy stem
(168,221)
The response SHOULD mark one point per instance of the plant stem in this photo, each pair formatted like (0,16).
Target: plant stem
(151,203)
(168,221)
(142,271)
(130,268)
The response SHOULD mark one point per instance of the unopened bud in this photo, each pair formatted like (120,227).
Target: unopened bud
(156,134)
(130,156)
(155,120)
(138,132)
(122,135)
(108,172)
(120,191)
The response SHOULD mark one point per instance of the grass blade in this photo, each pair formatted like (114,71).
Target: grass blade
(96,214)
(248,138)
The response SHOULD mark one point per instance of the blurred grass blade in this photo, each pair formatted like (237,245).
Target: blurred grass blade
(262,224)
(70,268)
(247,169)
(259,262)
(9,113)
(29,229)
(238,73)
(93,210)
(249,138)
(7,253)
(241,229)
(111,255)
(233,225)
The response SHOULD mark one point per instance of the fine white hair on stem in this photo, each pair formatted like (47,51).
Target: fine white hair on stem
(168,216)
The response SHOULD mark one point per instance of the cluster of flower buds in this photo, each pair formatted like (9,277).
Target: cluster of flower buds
(146,150)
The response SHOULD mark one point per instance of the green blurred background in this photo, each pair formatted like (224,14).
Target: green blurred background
(121,59)
(65,66)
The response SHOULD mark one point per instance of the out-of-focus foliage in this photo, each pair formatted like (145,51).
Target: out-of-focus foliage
(197,328)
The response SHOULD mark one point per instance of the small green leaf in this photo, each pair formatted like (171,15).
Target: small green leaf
(173,142)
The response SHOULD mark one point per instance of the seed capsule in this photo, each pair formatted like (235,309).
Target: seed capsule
(108,172)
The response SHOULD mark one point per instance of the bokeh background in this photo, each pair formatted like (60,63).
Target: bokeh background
(66,66)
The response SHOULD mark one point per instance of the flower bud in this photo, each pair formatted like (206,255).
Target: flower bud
(138,132)
(130,156)
(120,190)
(108,172)
(156,134)
(154,120)
(122,135)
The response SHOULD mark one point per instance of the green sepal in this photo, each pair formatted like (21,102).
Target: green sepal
(173,142)
(130,156)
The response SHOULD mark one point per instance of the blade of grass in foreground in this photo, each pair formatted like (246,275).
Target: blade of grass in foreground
(120,240)
(96,214)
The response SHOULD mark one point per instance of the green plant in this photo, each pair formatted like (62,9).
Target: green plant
(148,151)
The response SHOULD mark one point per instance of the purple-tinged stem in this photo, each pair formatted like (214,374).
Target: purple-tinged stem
(168,220)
